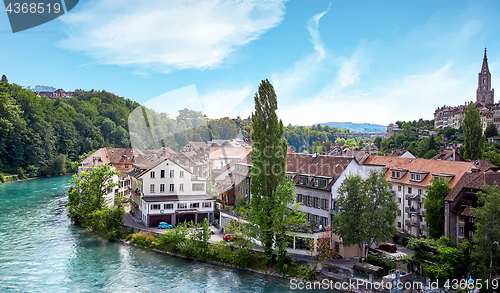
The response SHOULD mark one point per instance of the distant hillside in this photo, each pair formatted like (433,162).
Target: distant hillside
(357,127)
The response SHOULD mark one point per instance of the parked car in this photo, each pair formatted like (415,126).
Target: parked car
(230,237)
(164,225)
(388,247)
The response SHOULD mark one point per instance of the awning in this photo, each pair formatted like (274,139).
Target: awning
(187,212)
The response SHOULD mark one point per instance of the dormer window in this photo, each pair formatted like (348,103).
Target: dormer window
(320,183)
(303,180)
(398,173)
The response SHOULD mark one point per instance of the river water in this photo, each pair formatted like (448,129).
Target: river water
(41,251)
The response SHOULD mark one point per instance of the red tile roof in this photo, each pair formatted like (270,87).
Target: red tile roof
(457,169)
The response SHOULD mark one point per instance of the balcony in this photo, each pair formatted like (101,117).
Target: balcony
(412,223)
(135,192)
(412,197)
(412,210)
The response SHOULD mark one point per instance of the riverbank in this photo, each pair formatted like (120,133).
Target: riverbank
(15,178)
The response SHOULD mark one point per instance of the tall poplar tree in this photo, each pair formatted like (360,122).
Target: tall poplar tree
(473,133)
(272,208)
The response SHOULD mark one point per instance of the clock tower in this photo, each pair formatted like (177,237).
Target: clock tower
(484,93)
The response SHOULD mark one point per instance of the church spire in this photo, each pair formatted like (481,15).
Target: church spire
(485,69)
(484,93)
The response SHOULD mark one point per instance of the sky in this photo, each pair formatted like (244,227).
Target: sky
(329,61)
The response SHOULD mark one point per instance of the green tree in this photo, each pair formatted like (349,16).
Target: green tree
(4,79)
(434,207)
(430,154)
(32,171)
(473,133)
(340,141)
(271,194)
(491,130)
(378,141)
(327,145)
(21,173)
(367,210)
(486,252)
(59,165)
(87,195)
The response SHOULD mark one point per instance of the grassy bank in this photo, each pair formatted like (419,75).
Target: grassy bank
(193,243)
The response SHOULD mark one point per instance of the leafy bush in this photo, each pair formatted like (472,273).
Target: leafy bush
(244,257)
(404,240)
(2,178)
(21,174)
(387,266)
(144,239)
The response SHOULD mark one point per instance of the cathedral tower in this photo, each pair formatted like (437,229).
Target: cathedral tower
(484,93)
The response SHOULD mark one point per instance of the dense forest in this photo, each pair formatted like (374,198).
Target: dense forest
(47,136)
(43,134)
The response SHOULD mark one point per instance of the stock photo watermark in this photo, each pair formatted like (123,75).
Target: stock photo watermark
(24,15)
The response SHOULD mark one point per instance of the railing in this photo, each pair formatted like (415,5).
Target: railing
(412,223)
(412,197)
(135,191)
(412,210)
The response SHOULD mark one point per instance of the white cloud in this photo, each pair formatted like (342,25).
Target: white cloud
(289,82)
(406,98)
(166,35)
(225,103)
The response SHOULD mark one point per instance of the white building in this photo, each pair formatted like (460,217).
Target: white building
(170,193)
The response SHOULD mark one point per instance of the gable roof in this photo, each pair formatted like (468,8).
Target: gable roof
(474,180)
(456,169)
(319,165)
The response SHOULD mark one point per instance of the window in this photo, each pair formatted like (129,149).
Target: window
(195,205)
(471,234)
(182,205)
(461,218)
(207,204)
(198,186)
(155,206)
(171,188)
(181,187)
(316,202)
(152,188)
(162,174)
(415,177)
(171,173)
(303,180)
(399,224)
(181,174)
(162,187)
(308,200)
(409,190)
(320,183)
(152,174)
(169,206)
(420,192)
(299,197)
(399,199)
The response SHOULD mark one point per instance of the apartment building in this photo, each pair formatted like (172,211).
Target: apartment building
(170,193)
(410,179)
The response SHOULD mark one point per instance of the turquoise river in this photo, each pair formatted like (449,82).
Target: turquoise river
(41,251)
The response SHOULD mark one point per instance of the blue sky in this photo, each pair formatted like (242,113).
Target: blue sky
(359,61)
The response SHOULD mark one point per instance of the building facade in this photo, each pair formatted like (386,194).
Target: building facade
(170,193)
